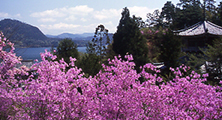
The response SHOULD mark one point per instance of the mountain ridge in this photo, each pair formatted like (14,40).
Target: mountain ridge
(71,35)
(26,35)
(23,34)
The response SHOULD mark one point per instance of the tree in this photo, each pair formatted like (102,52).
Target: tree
(139,21)
(219,14)
(220,10)
(189,14)
(214,57)
(66,49)
(90,64)
(128,39)
(168,13)
(96,51)
(90,61)
(100,41)
(211,59)
(154,19)
(170,50)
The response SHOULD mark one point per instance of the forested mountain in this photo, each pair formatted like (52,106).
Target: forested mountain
(23,35)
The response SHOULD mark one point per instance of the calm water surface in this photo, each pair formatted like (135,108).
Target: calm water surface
(34,53)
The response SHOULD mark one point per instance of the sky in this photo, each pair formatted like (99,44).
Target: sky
(54,17)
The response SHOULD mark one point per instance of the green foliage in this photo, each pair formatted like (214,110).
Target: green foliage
(90,64)
(96,52)
(25,35)
(214,57)
(170,50)
(154,19)
(99,42)
(128,39)
(168,13)
(185,14)
(211,58)
(154,38)
(195,61)
(66,49)
(190,14)
(219,14)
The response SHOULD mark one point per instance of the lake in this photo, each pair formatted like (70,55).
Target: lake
(34,53)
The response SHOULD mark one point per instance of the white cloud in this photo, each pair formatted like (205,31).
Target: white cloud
(65,11)
(48,13)
(18,15)
(6,15)
(47,20)
(73,19)
(2,14)
(79,10)
(83,19)
(70,18)
(105,14)
(60,26)
(140,11)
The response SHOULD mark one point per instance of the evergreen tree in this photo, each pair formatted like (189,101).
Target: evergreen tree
(96,51)
(219,14)
(214,57)
(128,39)
(90,64)
(66,49)
(190,14)
(154,19)
(170,50)
(100,41)
(168,13)
(211,58)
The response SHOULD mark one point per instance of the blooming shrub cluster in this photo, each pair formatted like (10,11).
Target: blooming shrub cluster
(53,92)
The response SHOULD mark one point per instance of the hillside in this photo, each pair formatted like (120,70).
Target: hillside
(77,37)
(24,35)
(70,35)
(80,39)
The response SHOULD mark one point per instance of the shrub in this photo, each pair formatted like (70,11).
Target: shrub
(114,93)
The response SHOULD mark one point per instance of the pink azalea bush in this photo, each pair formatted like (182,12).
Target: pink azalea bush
(53,92)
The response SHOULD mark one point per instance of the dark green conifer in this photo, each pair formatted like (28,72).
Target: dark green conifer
(128,39)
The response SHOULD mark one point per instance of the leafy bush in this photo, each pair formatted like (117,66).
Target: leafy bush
(114,93)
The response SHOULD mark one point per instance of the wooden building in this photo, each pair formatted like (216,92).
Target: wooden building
(198,36)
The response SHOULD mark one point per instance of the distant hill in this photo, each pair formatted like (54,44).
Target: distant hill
(75,37)
(80,39)
(24,35)
(70,35)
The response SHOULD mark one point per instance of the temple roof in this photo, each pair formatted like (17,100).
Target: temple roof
(204,27)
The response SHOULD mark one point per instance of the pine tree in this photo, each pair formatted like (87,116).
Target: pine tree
(211,58)
(128,39)
(100,41)
(214,57)
(96,52)
(170,50)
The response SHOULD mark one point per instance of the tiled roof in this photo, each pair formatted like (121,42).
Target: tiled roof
(201,28)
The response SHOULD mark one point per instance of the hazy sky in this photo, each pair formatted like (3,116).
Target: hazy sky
(76,16)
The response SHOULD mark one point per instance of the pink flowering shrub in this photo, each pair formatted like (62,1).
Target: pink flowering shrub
(114,93)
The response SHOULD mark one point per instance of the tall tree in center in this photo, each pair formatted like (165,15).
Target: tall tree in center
(129,39)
